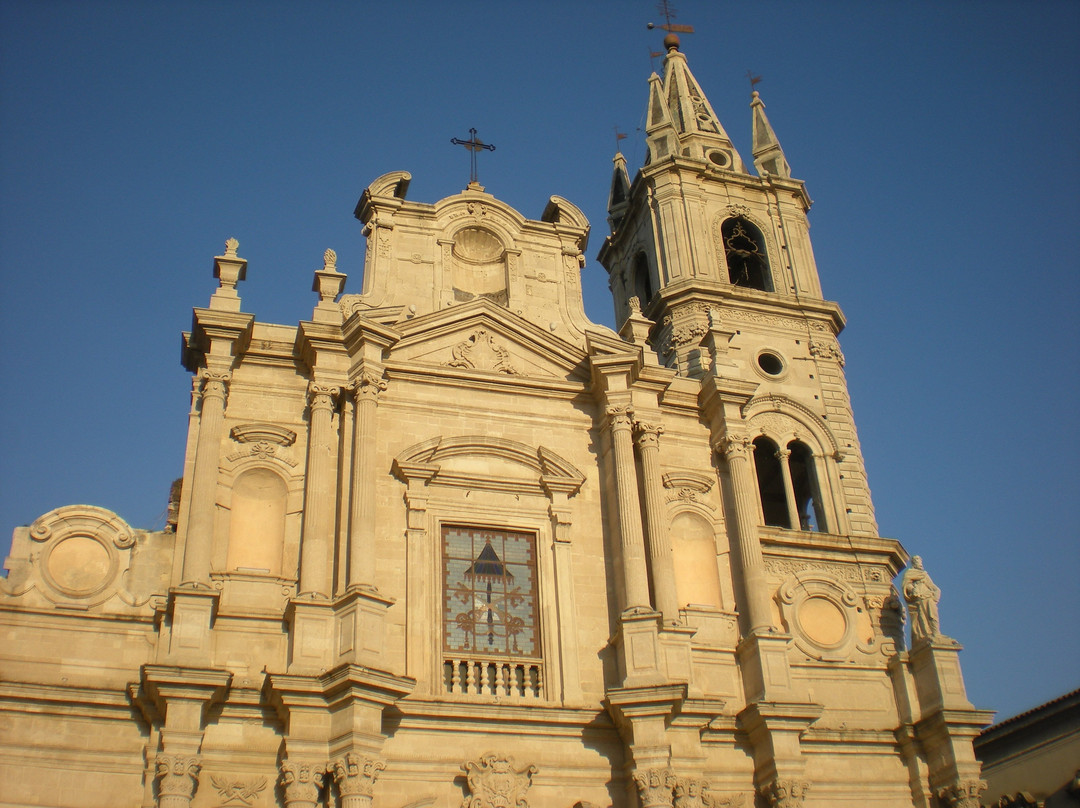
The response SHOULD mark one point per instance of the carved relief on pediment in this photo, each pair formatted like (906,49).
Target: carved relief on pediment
(480,351)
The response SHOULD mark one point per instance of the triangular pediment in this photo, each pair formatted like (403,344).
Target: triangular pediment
(486,339)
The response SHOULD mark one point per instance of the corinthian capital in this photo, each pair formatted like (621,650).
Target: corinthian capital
(620,417)
(648,435)
(785,792)
(302,782)
(368,385)
(321,396)
(963,794)
(355,774)
(177,775)
(656,787)
(731,446)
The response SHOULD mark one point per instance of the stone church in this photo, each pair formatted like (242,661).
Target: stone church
(448,543)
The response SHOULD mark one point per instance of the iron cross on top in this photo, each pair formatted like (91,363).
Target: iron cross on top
(473,144)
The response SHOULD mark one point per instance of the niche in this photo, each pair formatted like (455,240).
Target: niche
(257,523)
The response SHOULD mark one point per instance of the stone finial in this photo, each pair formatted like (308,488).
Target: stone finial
(229,269)
(635,304)
(328,284)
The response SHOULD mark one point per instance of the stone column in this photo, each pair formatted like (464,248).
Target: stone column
(302,782)
(635,574)
(203,498)
(783,455)
(315,567)
(366,391)
(177,776)
(737,451)
(355,776)
(662,564)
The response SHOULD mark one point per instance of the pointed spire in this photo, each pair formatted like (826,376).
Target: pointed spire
(681,120)
(768,156)
(619,195)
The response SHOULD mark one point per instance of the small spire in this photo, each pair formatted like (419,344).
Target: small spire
(768,156)
(680,119)
(619,195)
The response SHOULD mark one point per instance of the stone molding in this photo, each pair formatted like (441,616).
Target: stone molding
(799,413)
(421,461)
(77,557)
(263,433)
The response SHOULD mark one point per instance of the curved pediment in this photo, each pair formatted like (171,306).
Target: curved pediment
(480,461)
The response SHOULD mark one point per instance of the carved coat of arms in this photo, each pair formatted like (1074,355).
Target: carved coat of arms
(494,782)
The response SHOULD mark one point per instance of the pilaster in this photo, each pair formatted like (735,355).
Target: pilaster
(316,557)
(367,343)
(948,722)
(177,701)
(661,562)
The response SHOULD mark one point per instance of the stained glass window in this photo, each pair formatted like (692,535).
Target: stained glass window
(489,601)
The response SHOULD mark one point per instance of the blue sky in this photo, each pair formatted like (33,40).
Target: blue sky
(938,140)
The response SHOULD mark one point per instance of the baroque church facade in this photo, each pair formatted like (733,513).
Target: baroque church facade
(448,543)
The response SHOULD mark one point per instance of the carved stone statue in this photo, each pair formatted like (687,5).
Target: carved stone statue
(922,598)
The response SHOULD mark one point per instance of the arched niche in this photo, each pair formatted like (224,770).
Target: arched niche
(693,549)
(257,516)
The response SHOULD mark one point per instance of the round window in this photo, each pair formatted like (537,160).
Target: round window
(770,363)
(719,158)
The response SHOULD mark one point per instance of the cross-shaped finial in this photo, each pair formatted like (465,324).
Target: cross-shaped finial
(473,144)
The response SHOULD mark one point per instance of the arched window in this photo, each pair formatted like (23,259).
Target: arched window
(641,283)
(770,478)
(257,522)
(744,247)
(804,484)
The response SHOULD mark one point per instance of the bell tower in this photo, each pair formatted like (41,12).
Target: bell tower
(720,263)
(712,273)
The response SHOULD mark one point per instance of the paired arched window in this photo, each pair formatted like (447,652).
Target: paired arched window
(747,259)
(788,485)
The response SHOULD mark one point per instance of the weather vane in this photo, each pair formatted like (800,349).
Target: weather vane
(473,144)
(618,136)
(753,79)
(665,8)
